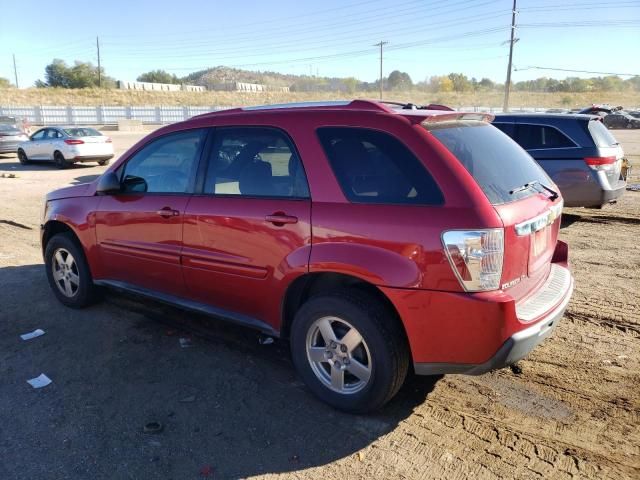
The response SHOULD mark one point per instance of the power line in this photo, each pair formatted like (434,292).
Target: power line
(577,71)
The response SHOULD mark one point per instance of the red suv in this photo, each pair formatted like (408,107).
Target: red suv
(378,240)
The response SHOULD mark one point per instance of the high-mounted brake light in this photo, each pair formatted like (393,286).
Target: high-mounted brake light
(476,257)
(72,141)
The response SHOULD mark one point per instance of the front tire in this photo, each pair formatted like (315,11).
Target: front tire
(102,163)
(60,161)
(68,271)
(350,350)
(22,157)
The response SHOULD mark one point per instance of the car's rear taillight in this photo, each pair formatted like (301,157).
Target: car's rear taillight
(72,141)
(601,163)
(108,140)
(476,257)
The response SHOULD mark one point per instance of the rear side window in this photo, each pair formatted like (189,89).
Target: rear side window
(374,167)
(531,137)
(497,163)
(601,134)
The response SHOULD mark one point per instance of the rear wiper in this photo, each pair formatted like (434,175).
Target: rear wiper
(535,183)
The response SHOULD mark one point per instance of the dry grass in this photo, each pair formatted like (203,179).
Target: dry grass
(93,96)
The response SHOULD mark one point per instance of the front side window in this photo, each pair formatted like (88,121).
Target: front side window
(166,165)
(255,162)
(532,137)
(374,167)
(39,135)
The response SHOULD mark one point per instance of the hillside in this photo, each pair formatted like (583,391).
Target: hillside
(94,96)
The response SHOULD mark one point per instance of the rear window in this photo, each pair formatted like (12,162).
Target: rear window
(601,134)
(498,164)
(374,167)
(82,132)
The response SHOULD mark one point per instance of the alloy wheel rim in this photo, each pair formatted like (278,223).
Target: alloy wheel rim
(338,355)
(65,272)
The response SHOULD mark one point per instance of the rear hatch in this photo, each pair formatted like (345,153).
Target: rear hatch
(520,191)
(92,141)
(610,153)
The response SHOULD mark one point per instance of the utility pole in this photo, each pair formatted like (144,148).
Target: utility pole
(15,70)
(507,85)
(381,44)
(99,68)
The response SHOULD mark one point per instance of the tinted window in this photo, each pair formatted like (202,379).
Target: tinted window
(497,163)
(51,134)
(507,128)
(166,165)
(540,136)
(601,135)
(374,167)
(82,132)
(255,162)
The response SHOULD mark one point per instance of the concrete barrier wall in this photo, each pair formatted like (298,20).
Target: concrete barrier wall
(109,115)
(103,115)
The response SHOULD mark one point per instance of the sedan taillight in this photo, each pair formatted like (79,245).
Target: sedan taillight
(476,257)
(108,140)
(72,141)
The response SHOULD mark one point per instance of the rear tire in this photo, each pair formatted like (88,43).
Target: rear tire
(22,157)
(68,271)
(60,161)
(366,363)
(102,163)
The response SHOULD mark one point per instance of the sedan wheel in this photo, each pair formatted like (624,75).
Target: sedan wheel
(22,157)
(59,160)
(338,355)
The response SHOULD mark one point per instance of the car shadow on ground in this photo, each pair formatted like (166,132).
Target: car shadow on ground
(85,179)
(227,402)
(10,163)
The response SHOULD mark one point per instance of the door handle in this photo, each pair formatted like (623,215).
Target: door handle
(167,212)
(281,218)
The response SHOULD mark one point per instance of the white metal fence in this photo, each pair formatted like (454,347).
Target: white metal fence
(109,115)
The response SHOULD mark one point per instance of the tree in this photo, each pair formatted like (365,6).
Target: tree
(4,83)
(159,76)
(80,75)
(460,82)
(487,84)
(398,80)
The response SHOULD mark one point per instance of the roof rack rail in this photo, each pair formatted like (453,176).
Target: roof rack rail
(355,104)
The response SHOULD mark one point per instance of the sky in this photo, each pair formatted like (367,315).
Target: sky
(328,38)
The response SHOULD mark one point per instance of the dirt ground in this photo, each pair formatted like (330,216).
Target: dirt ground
(233,408)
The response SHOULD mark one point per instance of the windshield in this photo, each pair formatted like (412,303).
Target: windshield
(497,163)
(601,134)
(82,132)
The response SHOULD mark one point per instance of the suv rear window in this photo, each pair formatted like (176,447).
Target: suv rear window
(497,163)
(601,134)
(375,167)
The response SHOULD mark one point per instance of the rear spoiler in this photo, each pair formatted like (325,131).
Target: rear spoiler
(454,116)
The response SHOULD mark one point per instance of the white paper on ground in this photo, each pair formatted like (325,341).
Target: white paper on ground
(36,333)
(39,382)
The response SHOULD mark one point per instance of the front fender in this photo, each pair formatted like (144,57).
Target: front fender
(372,264)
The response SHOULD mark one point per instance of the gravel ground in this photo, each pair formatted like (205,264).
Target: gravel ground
(233,408)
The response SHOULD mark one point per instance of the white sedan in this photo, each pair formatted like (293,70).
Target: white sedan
(66,145)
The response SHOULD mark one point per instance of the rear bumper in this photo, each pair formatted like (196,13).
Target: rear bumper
(91,158)
(515,348)
(473,333)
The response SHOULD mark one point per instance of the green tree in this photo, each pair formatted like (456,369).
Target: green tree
(4,83)
(487,84)
(460,82)
(80,75)
(159,76)
(398,80)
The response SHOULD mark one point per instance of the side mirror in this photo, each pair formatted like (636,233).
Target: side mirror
(108,183)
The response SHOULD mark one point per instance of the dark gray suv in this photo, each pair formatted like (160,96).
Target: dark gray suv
(577,151)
